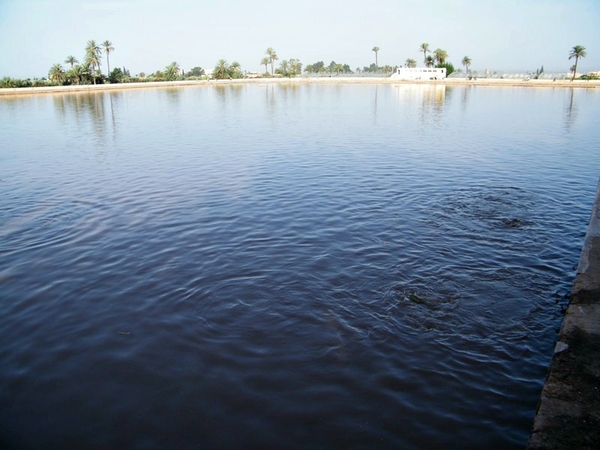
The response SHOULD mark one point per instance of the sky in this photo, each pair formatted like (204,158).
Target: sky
(147,35)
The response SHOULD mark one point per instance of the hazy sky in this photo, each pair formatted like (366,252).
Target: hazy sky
(502,35)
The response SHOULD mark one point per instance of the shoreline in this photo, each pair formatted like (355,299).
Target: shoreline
(581,84)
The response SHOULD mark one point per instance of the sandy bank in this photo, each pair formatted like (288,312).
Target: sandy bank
(303,80)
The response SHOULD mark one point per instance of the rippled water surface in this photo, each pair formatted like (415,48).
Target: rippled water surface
(262,266)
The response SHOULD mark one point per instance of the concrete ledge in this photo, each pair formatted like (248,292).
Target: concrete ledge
(568,415)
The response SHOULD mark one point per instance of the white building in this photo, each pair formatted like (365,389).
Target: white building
(419,73)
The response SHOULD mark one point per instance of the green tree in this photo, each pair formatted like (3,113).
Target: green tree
(107,49)
(291,68)
(196,72)
(272,56)
(235,70)
(56,74)
(71,60)
(425,49)
(376,50)
(316,67)
(372,68)
(221,70)
(466,61)
(295,67)
(429,61)
(440,55)
(577,52)
(172,71)
(283,68)
(265,62)
(76,74)
(116,76)
(410,63)
(92,58)
(7,82)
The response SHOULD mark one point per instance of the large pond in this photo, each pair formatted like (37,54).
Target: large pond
(283,266)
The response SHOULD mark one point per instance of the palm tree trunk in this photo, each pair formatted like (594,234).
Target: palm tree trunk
(575,70)
(107,64)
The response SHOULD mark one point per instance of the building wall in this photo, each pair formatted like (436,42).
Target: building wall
(420,73)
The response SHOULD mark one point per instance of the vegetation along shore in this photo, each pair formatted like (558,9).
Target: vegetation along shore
(88,75)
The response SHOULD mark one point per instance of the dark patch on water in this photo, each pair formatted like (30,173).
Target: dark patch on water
(491,205)
(514,223)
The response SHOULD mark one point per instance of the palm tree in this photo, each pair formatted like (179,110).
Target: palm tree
(264,62)
(76,74)
(56,74)
(429,61)
(425,49)
(71,60)
(338,68)
(376,50)
(221,70)
(272,55)
(572,70)
(577,52)
(410,63)
(107,49)
(295,67)
(283,68)
(94,51)
(172,71)
(440,55)
(92,57)
(235,70)
(466,61)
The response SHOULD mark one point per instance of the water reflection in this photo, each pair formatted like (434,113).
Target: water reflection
(269,95)
(288,92)
(570,111)
(270,103)
(434,94)
(173,95)
(429,100)
(465,97)
(375,105)
(229,96)
(94,113)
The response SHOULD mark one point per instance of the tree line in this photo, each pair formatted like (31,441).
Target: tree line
(89,71)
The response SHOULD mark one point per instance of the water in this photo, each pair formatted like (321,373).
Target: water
(350,266)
